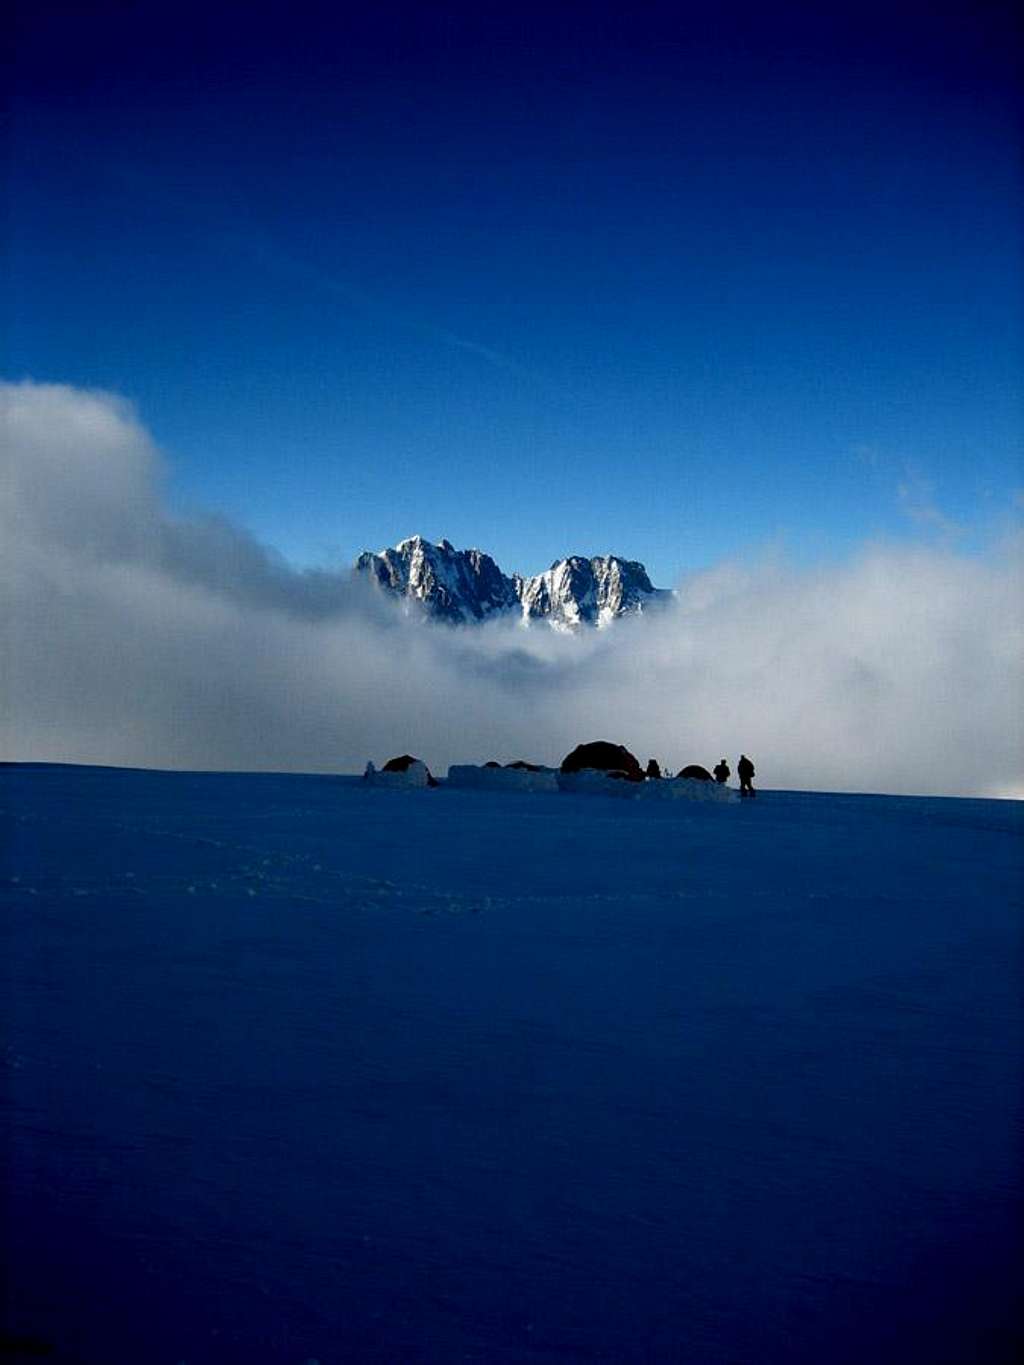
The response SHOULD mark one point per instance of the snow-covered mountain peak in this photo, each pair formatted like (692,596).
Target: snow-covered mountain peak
(453,585)
(467,585)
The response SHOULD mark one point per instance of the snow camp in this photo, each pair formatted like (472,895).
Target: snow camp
(511,679)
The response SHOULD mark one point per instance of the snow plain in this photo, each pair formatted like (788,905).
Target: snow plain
(297,1069)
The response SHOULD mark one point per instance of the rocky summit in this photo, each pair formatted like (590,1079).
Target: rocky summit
(466,586)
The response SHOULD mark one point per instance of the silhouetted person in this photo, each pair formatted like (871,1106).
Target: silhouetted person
(721,772)
(745,772)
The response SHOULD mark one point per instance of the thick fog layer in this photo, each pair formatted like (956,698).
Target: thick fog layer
(135,637)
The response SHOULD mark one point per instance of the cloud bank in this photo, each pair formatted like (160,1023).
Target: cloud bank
(134,637)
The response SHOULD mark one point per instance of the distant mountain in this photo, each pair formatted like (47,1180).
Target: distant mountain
(465,586)
(577,591)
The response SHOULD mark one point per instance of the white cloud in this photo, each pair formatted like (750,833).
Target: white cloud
(133,637)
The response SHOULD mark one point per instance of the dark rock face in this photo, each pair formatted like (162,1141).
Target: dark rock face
(526,767)
(653,769)
(605,757)
(694,770)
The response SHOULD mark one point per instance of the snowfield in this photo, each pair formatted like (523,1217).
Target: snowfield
(308,1069)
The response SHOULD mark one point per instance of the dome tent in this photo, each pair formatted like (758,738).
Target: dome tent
(603,756)
(403,771)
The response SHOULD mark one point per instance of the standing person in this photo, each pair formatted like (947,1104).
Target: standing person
(745,772)
(721,772)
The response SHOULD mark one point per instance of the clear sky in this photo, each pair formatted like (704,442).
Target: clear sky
(669,281)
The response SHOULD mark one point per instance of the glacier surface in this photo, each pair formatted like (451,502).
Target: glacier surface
(300,1068)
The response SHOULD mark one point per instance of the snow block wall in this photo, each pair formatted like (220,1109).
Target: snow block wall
(590,781)
(502,779)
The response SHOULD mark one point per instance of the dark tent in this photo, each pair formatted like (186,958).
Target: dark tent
(403,763)
(605,757)
(694,770)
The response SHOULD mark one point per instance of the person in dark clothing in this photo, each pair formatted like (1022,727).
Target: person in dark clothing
(745,772)
(721,772)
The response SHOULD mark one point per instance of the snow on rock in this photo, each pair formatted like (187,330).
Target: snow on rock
(503,779)
(453,585)
(464,586)
(578,591)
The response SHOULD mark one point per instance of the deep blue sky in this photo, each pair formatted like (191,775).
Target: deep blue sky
(669,281)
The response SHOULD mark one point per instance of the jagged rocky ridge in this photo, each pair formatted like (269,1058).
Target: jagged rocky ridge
(461,586)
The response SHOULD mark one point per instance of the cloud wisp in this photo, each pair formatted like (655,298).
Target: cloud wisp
(134,637)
